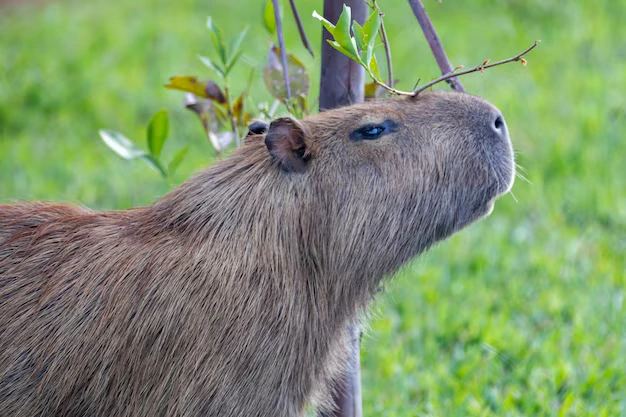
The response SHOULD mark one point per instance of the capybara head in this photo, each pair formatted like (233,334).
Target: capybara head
(396,175)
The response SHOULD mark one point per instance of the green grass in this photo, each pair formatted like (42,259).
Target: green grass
(520,315)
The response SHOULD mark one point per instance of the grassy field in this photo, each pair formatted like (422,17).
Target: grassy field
(520,315)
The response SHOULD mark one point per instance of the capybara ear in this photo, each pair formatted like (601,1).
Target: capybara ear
(285,142)
(257,128)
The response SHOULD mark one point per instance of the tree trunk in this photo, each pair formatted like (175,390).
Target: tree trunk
(342,80)
(341,84)
(347,390)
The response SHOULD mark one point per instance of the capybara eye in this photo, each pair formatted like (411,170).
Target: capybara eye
(374,130)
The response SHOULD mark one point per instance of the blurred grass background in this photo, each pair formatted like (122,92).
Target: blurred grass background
(520,315)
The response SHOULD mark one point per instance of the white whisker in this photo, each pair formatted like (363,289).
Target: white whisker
(522,177)
(521,168)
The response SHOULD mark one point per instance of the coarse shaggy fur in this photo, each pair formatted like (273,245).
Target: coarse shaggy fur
(230,295)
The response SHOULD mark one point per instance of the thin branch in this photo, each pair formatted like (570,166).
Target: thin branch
(231,115)
(281,45)
(391,89)
(383,36)
(481,68)
(435,44)
(296,16)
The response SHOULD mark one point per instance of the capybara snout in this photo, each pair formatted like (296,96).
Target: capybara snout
(489,145)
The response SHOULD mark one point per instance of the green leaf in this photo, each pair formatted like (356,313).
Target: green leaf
(373,66)
(341,49)
(299,80)
(186,83)
(269,20)
(154,164)
(232,61)
(359,36)
(235,51)
(370,30)
(342,27)
(177,160)
(329,26)
(192,85)
(342,31)
(121,145)
(371,27)
(158,129)
(218,41)
(212,65)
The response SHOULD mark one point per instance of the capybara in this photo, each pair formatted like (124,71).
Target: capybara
(229,296)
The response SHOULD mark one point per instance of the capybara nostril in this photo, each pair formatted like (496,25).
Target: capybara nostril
(499,126)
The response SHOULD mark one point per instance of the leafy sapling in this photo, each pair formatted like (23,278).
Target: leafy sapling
(222,110)
(360,48)
(157,133)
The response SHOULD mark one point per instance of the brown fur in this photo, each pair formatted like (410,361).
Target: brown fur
(229,296)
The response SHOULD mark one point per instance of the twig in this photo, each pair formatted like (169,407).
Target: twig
(296,16)
(231,115)
(481,68)
(281,45)
(435,44)
(383,36)
(391,89)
